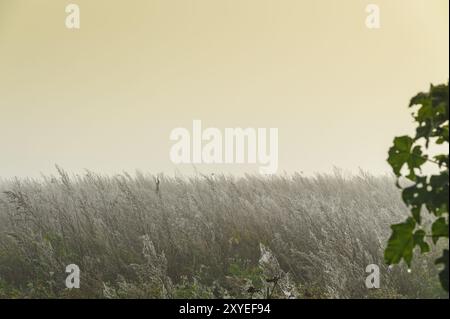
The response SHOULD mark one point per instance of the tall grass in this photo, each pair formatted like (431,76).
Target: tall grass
(200,237)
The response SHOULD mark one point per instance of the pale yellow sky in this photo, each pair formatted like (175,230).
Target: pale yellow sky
(106,97)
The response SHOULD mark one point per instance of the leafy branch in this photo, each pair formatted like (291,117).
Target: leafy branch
(430,192)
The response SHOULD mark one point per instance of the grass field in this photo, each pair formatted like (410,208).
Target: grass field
(202,237)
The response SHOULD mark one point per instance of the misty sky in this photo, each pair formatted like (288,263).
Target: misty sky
(107,96)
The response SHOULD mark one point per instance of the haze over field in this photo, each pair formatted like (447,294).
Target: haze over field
(107,96)
(139,107)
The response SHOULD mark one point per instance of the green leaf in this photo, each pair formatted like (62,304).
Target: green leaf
(400,153)
(415,197)
(443,135)
(401,243)
(419,240)
(403,153)
(417,157)
(442,160)
(439,229)
(438,197)
(432,116)
(419,99)
(416,160)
